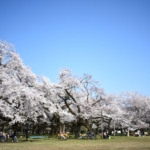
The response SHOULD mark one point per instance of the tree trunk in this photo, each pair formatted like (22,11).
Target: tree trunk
(77,130)
(22,128)
(109,129)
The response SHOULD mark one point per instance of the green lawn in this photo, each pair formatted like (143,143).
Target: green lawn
(117,143)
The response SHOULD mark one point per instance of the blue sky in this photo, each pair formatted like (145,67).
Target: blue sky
(108,39)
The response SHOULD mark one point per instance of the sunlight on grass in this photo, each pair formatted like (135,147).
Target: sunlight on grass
(117,143)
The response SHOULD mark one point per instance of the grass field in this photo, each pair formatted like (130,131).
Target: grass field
(117,143)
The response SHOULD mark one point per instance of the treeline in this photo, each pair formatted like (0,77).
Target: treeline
(26,98)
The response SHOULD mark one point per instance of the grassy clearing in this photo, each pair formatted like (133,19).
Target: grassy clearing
(117,143)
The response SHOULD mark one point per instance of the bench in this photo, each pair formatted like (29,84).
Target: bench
(38,137)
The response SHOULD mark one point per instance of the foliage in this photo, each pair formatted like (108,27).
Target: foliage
(74,101)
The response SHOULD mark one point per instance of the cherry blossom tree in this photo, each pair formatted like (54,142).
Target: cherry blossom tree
(73,101)
(137,109)
(79,97)
(19,98)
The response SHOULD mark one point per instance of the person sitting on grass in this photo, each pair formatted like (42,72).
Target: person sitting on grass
(62,135)
(13,136)
(3,136)
(89,135)
(105,135)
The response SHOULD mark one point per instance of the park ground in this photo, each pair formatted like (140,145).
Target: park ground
(117,143)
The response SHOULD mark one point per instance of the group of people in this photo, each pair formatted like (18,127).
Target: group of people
(63,135)
(138,133)
(88,134)
(10,135)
